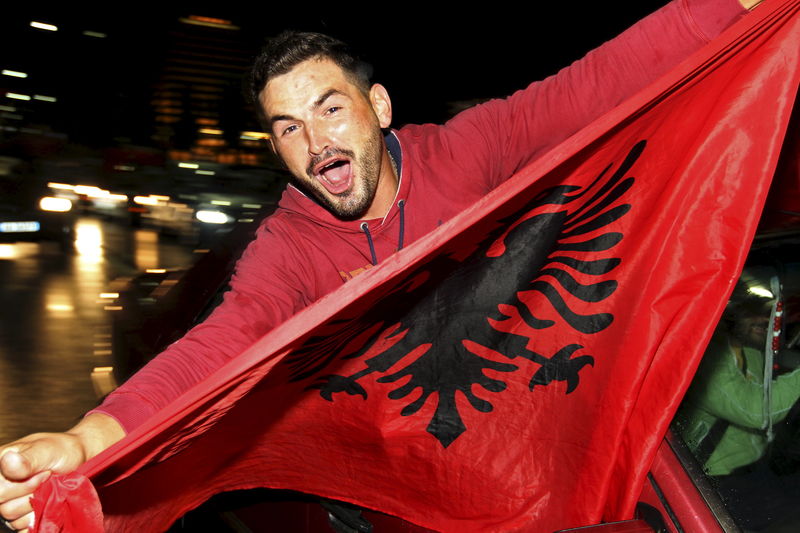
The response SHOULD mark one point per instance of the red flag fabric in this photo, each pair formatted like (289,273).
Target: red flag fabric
(517,369)
(68,503)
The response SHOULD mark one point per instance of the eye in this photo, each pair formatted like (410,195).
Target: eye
(289,129)
(333,109)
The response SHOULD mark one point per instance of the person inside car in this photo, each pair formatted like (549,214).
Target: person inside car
(732,410)
(727,419)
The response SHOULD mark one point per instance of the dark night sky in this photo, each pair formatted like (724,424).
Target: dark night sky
(424,59)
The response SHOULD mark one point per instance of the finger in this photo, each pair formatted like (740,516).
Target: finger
(16,508)
(23,523)
(24,459)
(10,490)
(13,465)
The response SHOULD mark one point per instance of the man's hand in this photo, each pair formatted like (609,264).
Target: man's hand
(27,463)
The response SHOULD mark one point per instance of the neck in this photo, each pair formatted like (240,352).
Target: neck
(386,191)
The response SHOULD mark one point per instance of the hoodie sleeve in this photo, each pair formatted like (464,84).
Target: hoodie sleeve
(487,144)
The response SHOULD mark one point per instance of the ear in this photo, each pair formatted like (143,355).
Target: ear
(381,104)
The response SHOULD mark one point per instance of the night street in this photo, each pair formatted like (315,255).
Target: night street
(54,329)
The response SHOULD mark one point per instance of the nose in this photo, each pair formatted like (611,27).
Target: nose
(318,140)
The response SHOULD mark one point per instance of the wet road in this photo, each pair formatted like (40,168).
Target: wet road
(53,329)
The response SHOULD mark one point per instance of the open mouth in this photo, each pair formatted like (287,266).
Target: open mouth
(335,174)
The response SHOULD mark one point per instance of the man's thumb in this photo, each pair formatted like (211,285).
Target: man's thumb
(20,462)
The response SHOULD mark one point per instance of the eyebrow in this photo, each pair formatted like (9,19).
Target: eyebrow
(276,118)
(327,94)
(317,103)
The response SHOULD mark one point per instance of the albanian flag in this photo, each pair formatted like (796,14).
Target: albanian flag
(517,368)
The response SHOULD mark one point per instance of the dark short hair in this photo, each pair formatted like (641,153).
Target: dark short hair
(282,53)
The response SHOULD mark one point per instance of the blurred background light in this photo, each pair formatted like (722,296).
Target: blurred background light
(8,251)
(761,291)
(14,73)
(145,200)
(89,238)
(50,203)
(254,135)
(212,217)
(209,21)
(43,26)
(61,186)
(91,191)
(60,308)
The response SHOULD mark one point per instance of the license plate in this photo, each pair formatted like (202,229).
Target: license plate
(18,227)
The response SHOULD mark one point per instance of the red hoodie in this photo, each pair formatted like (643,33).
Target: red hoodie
(303,252)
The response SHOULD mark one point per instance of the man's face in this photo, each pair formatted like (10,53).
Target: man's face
(328,133)
(751,330)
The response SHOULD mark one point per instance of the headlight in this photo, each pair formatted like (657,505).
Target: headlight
(212,217)
(51,203)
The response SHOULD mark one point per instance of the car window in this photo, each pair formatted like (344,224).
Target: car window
(741,416)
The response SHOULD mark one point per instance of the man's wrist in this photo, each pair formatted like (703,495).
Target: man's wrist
(96,432)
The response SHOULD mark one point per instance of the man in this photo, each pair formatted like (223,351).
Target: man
(360,193)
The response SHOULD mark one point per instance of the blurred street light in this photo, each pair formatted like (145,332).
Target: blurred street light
(14,73)
(43,26)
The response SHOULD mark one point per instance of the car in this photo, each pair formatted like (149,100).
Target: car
(30,210)
(741,470)
(203,209)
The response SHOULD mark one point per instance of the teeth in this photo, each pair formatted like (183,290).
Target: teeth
(331,164)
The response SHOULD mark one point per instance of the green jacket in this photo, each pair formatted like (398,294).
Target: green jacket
(722,390)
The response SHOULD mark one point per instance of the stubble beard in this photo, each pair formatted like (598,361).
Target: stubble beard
(366,168)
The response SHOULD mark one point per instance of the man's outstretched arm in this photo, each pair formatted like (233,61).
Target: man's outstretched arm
(27,463)
(491,142)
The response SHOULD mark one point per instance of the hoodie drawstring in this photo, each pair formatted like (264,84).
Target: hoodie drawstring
(400,205)
(365,228)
